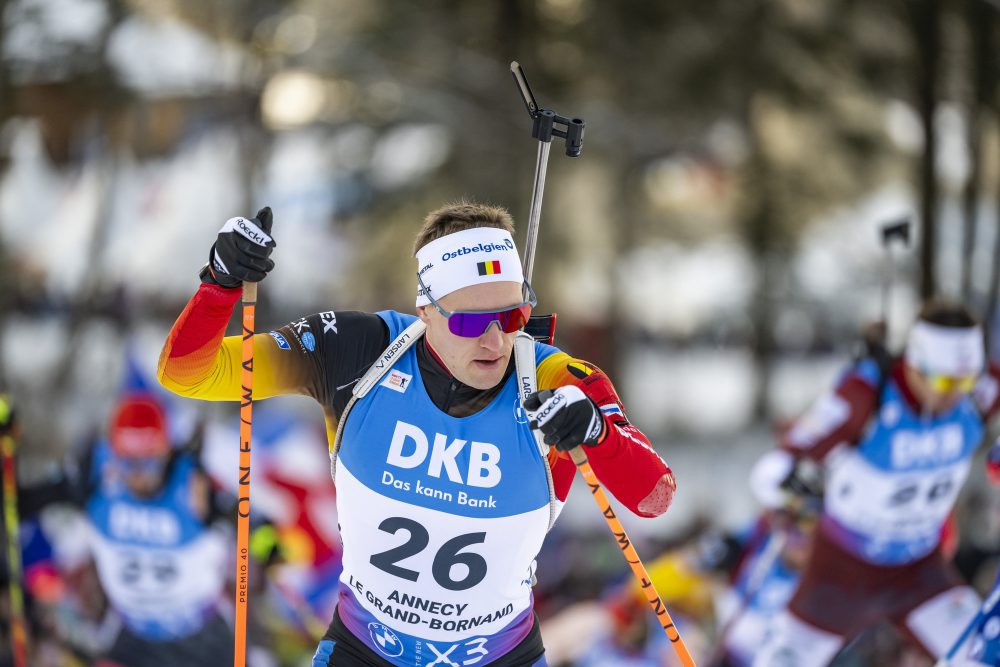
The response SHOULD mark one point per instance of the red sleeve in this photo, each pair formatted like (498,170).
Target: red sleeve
(199,361)
(195,360)
(839,416)
(987,392)
(624,460)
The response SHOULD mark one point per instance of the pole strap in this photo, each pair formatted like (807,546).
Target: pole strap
(527,383)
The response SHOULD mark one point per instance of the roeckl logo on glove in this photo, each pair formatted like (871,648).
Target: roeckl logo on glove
(248,230)
(550,406)
(252,233)
(566,414)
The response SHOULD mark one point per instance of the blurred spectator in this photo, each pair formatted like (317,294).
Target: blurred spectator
(774,554)
(621,630)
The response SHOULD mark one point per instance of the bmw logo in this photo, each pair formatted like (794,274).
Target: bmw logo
(385,640)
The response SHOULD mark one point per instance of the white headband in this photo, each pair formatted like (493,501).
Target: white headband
(470,257)
(937,350)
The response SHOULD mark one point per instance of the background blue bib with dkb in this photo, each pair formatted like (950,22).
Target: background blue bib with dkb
(887,498)
(441,519)
(162,568)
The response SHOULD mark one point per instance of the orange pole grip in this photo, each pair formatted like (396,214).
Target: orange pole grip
(243,502)
(638,569)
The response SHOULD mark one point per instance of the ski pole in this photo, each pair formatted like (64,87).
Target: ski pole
(546,124)
(18,627)
(300,607)
(984,609)
(243,502)
(758,573)
(628,550)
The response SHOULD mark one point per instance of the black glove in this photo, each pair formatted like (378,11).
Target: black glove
(805,488)
(566,416)
(241,252)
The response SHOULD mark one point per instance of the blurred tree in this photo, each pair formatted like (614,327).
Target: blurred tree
(980,18)
(6,263)
(926,16)
(779,105)
(806,84)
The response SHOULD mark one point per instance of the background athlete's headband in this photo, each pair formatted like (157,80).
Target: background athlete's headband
(936,350)
(470,257)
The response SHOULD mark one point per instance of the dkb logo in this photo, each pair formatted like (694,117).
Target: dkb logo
(411,447)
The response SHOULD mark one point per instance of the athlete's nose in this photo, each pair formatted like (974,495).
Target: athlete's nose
(492,338)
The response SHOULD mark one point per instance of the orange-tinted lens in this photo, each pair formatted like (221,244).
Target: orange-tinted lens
(515,318)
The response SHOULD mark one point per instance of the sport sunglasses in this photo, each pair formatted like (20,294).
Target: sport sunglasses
(946,384)
(474,323)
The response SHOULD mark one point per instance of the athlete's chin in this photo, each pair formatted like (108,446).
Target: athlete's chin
(942,404)
(486,374)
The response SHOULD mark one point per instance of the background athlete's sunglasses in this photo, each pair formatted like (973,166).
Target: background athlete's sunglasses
(474,323)
(946,384)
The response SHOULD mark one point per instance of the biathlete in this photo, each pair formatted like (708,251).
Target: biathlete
(444,494)
(896,440)
(154,534)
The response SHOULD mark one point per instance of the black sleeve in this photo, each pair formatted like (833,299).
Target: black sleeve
(339,346)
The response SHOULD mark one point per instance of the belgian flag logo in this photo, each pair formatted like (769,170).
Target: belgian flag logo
(489,268)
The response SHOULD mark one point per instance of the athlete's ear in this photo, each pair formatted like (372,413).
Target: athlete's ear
(423,314)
